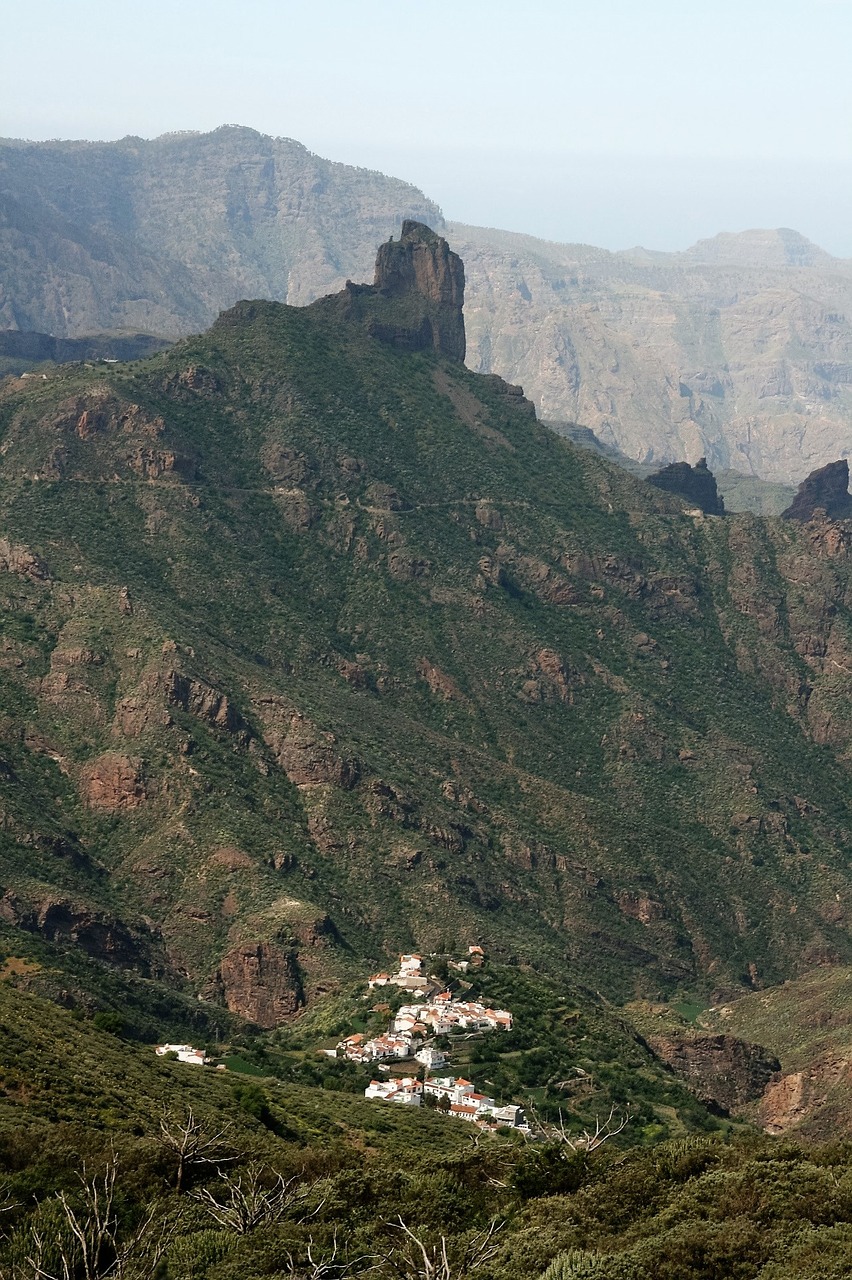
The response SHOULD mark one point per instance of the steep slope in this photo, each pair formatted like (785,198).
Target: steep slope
(808,1023)
(320,646)
(161,235)
(739,350)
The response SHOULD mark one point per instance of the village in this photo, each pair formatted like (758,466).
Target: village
(411,1038)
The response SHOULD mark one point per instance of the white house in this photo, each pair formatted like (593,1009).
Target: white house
(433,1059)
(454,1090)
(510,1115)
(390,1046)
(357,1049)
(464,1111)
(411,982)
(185,1053)
(442,1013)
(466,1104)
(407,1091)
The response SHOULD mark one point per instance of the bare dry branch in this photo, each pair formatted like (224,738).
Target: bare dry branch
(245,1202)
(586,1141)
(192,1143)
(329,1265)
(90,1245)
(418,1261)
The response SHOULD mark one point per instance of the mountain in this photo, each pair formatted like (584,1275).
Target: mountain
(161,235)
(767,249)
(320,647)
(739,350)
(826,490)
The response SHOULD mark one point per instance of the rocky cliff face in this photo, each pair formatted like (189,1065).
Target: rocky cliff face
(260,982)
(826,490)
(807,1023)
(421,263)
(719,1068)
(739,350)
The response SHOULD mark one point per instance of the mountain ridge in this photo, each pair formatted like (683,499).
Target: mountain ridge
(724,351)
(288,569)
(159,235)
(667,357)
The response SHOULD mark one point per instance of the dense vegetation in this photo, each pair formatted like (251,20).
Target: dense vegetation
(317,650)
(77,1103)
(477,683)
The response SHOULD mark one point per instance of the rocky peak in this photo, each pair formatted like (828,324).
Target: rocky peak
(421,262)
(826,488)
(416,299)
(696,484)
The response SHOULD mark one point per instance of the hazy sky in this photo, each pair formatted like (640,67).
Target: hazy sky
(614,122)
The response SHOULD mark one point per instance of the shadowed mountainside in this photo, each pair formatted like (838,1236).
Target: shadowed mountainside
(826,490)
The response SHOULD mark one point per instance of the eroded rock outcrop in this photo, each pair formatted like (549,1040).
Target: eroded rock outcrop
(421,261)
(793,1100)
(260,981)
(203,701)
(718,1068)
(113,782)
(58,919)
(825,489)
(417,296)
(19,560)
(305,753)
(695,484)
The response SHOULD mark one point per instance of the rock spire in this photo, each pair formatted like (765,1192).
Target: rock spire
(826,488)
(417,296)
(696,484)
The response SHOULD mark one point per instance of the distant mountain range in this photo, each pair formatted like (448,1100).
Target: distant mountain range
(739,349)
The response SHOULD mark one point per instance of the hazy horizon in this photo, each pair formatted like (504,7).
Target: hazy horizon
(625,125)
